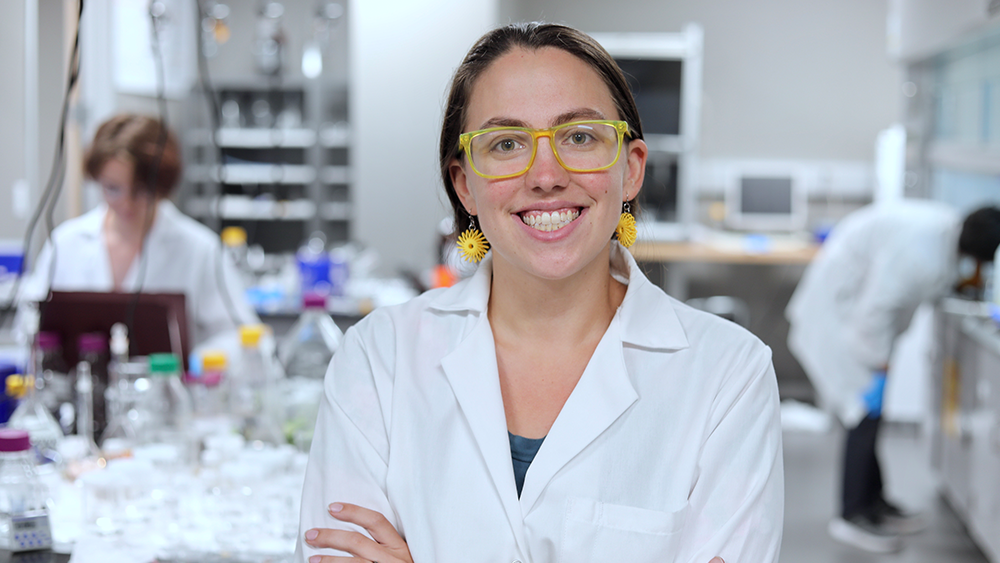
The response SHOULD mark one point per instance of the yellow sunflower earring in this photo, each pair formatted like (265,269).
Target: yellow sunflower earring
(473,243)
(626,230)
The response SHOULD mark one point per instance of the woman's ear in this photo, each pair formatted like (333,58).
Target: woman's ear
(459,179)
(638,152)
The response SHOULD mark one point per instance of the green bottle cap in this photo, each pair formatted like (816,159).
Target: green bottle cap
(163,364)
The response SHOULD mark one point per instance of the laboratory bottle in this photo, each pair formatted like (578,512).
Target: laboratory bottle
(119,434)
(128,415)
(85,409)
(170,406)
(234,242)
(314,265)
(50,365)
(310,344)
(32,417)
(253,394)
(93,349)
(208,387)
(24,520)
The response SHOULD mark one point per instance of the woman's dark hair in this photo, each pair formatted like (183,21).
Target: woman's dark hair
(142,141)
(981,234)
(531,36)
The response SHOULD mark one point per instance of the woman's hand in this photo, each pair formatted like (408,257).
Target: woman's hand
(717,560)
(388,546)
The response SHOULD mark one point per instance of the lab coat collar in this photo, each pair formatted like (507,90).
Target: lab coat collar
(647,319)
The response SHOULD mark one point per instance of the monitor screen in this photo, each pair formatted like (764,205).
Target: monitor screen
(766,195)
(766,198)
(656,87)
(159,320)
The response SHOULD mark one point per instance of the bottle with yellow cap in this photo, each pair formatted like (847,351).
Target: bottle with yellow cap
(208,385)
(32,416)
(234,242)
(252,391)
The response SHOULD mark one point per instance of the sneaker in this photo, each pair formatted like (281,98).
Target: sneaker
(898,520)
(865,532)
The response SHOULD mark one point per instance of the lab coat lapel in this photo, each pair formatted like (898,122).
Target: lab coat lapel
(472,371)
(603,393)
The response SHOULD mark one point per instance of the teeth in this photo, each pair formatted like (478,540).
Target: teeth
(548,222)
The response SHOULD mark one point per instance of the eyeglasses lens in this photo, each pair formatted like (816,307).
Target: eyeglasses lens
(581,147)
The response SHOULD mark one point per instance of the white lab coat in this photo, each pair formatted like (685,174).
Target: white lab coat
(668,449)
(182,256)
(860,292)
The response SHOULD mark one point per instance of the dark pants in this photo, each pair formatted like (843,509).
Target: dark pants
(862,487)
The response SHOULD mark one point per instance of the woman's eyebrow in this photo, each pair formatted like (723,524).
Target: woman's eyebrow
(566,117)
(578,114)
(502,122)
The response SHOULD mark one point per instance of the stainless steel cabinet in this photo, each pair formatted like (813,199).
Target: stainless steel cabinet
(966,418)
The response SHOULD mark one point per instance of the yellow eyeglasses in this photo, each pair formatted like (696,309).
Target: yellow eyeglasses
(579,146)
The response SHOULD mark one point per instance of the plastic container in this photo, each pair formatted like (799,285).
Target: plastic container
(127,412)
(253,397)
(170,407)
(314,266)
(234,240)
(311,342)
(93,349)
(32,417)
(24,520)
(51,366)
(208,386)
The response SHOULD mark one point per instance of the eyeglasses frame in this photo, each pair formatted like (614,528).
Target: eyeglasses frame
(465,144)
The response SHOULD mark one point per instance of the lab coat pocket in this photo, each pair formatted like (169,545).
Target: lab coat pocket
(601,532)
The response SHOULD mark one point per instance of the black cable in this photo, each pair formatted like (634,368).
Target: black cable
(161,145)
(215,116)
(54,185)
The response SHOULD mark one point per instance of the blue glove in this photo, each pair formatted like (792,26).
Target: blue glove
(872,396)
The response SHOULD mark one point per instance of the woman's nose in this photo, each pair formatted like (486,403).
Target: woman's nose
(546,172)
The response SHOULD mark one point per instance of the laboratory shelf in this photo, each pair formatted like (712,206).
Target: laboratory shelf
(253,173)
(335,175)
(236,207)
(246,138)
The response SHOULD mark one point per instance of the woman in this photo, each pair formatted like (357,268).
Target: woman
(639,428)
(138,240)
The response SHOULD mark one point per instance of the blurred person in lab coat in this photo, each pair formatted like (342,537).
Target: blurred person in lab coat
(556,405)
(854,300)
(137,239)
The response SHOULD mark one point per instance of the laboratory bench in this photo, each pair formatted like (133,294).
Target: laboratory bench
(965,416)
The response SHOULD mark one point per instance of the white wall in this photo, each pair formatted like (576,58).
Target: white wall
(783,79)
(402,56)
(28,138)
(12,95)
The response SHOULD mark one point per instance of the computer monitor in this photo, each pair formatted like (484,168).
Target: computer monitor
(663,71)
(159,321)
(766,199)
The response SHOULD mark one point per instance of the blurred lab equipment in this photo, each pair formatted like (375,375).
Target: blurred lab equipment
(269,43)
(32,417)
(93,349)
(24,517)
(314,265)
(169,407)
(8,402)
(252,396)
(311,342)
